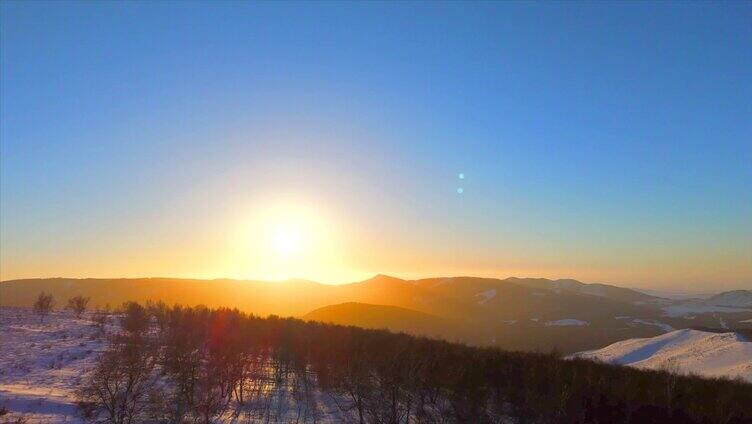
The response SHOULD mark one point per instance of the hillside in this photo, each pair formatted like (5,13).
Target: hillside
(389,317)
(294,297)
(734,298)
(513,313)
(685,351)
(450,296)
(42,364)
(736,305)
(65,368)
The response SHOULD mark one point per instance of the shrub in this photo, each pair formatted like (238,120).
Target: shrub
(78,305)
(43,305)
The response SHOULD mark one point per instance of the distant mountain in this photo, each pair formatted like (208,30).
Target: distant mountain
(557,286)
(285,298)
(684,351)
(294,297)
(734,299)
(735,305)
(596,289)
(513,313)
(675,294)
(538,299)
(389,317)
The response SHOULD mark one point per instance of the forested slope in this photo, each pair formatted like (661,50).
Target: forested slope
(202,365)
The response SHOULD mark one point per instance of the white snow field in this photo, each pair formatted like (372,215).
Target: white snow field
(42,362)
(683,351)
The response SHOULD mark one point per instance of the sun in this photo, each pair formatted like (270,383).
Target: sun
(287,242)
(279,240)
(289,232)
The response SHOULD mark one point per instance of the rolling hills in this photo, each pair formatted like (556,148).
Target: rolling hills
(393,318)
(513,313)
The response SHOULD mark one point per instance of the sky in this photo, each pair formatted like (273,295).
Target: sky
(607,142)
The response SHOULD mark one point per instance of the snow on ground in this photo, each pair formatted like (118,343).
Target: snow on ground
(684,351)
(563,322)
(736,299)
(638,321)
(486,296)
(684,309)
(41,363)
(722,323)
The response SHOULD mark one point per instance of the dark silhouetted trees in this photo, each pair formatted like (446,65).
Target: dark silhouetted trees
(222,365)
(135,319)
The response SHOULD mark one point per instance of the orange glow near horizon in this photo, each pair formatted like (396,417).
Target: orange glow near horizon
(277,236)
(286,240)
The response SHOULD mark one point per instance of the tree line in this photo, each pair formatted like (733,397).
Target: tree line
(199,365)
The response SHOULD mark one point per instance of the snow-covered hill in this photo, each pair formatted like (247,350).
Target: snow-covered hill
(735,299)
(42,363)
(683,351)
(730,302)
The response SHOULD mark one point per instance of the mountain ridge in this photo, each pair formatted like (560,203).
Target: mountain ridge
(514,313)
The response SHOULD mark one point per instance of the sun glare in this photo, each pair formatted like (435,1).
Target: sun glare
(285,239)
(287,242)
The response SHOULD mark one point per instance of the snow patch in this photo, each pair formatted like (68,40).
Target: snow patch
(722,322)
(638,321)
(486,296)
(565,322)
(685,309)
(735,299)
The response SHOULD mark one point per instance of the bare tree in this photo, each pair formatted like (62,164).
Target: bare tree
(78,305)
(43,305)
(101,317)
(119,389)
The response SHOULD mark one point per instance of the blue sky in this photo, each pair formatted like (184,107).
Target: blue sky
(601,141)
